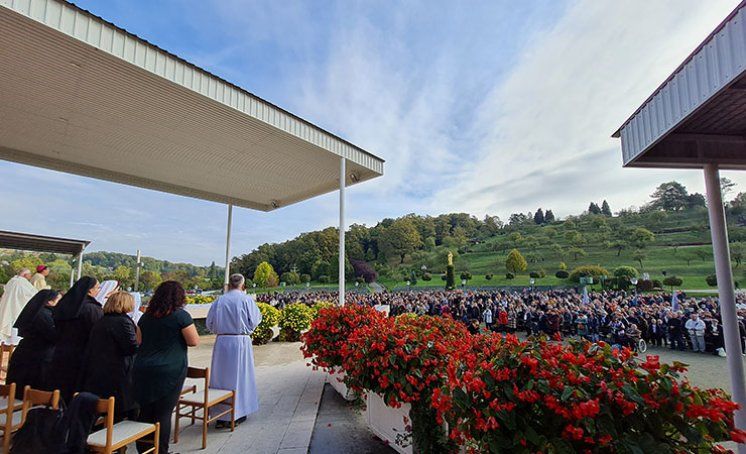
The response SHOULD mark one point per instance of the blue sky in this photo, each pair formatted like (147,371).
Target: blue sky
(482,107)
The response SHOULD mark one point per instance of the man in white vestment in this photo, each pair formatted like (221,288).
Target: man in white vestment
(233,317)
(18,291)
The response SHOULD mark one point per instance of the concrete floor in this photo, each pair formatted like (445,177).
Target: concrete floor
(341,428)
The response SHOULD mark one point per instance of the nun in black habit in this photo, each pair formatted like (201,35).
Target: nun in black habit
(33,355)
(74,317)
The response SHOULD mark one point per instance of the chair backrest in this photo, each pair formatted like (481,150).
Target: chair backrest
(33,397)
(6,351)
(197,372)
(9,392)
(106,407)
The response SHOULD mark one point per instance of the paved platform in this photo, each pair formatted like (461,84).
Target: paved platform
(289,394)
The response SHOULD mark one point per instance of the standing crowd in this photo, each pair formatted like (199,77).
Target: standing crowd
(96,339)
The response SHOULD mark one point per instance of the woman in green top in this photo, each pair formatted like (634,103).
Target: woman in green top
(161,364)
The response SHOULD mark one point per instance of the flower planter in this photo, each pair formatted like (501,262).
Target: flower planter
(386,422)
(334,379)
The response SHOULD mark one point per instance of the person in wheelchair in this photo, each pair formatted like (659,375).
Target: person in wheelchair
(633,336)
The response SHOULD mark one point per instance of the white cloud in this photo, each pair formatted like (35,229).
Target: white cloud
(547,127)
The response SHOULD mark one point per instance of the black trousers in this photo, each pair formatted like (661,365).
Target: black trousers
(159,411)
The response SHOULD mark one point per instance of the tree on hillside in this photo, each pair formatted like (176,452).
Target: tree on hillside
(150,279)
(702,254)
(737,253)
(605,209)
(399,239)
(671,196)
(726,186)
(518,219)
(640,237)
(696,200)
(594,209)
(265,276)
(549,217)
(515,263)
(619,245)
(639,255)
(122,275)
(576,252)
(539,217)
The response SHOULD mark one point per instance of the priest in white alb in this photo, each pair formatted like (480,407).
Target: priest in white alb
(16,293)
(233,317)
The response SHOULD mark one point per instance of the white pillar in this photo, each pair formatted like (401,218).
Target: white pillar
(342,181)
(72,276)
(228,248)
(137,271)
(726,294)
(80,264)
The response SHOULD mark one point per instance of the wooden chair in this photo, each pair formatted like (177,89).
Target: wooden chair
(6,351)
(204,401)
(114,437)
(34,397)
(10,418)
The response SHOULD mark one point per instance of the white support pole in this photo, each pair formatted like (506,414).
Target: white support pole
(726,294)
(342,182)
(228,248)
(137,271)
(72,276)
(80,264)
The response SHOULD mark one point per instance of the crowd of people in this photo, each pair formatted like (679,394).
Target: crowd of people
(679,322)
(96,340)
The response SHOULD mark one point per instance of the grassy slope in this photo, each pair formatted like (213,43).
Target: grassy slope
(668,252)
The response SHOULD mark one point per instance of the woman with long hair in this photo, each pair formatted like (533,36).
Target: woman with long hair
(161,364)
(30,360)
(74,317)
(107,369)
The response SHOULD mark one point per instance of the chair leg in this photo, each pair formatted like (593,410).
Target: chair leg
(205,418)
(176,423)
(6,441)
(233,412)
(156,446)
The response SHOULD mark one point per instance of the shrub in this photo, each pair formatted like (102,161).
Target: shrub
(672,281)
(644,285)
(509,276)
(593,271)
(427,277)
(562,274)
(712,280)
(443,277)
(270,317)
(295,319)
(364,270)
(534,274)
(657,284)
(304,278)
(625,272)
(324,279)
(503,395)
(515,262)
(199,299)
(450,278)
(317,306)
(290,278)
(265,275)
(332,328)
(488,276)
(466,276)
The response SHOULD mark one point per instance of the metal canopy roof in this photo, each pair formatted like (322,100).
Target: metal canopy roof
(39,243)
(80,95)
(698,115)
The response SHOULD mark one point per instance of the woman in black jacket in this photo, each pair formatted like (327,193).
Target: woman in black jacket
(74,317)
(30,360)
(107,369)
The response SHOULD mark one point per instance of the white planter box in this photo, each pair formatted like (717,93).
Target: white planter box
(335,380)
(387,422)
